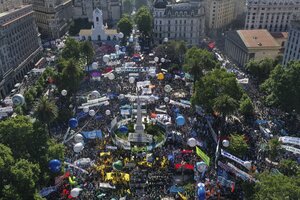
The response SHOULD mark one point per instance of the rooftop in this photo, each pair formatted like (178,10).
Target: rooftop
(2,14)
(257,38)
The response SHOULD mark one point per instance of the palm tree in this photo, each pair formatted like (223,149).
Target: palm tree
(225,105)
(46,112)
(72,74)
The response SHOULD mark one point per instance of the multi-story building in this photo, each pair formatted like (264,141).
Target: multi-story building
(245,45)
(111,9)
(9,4)
(273,15)
(220,13)
(292,48)
(179,21)
(20,46)
(53,17)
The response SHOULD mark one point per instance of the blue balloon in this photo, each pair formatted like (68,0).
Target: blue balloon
(54,165)
(180,121)
(201,191)
(123,129)
(73,123)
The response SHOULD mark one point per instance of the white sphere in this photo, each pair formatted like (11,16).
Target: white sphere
(92,113)
(156,59)
(121,96)
(107,112)
(75,192)
(95,94)
(78,138)
(162,60)
(167,88)
(225,143)
(117,47)
(166,99)
(192,142)
(94,65)
(64,92)
(111,76)
(86,109)
(78,147)
(166,39)
(18,99)
(120,35)
(105,58)
(247,164)
(131,80)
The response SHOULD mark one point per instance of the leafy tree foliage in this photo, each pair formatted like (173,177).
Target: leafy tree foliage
(143,19)
(278,186)
(125,25)
(215,88)
(261,69)
(197,61)
(71,49)
(78,24)
(283,86)
(87,51)
(173,50)
(289,167)
(274,148)
(238,146)
(246,106)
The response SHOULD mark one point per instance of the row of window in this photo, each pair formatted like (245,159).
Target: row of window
(176,21)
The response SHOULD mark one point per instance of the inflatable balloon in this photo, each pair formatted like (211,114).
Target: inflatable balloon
(201,166)
(86,109)
(167,88)
(107,112)
(75,192)
(120,35)
(156,59)
(64,92)
(201,191)
(123,129)
(162,60)
(247,164)
(160,76)
(78,147)
(180,121)
(225,143)
(78,138)
(111,76)
(152,74)
(55,165)
(121,96)
(117,47)
(105,58)
(131,80)
(166,99)
(73,123)
(95,94)
(18,100)
(94,65)
(118,165)
(92,113)
(192,142)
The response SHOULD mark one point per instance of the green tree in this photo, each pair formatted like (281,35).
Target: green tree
(6,161)
(211,88)
(246,106)
(238,145)
(71,49)
(278,186)
(283,87)
(197,61)
(261,69)
(225,105)
(46,112)
(143,19)
(173,51)
(274,148)
(24,177)
(125,26)
(289,167)
(88,52)
(127,6)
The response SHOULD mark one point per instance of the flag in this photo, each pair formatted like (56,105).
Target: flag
(182,196)
(202,155)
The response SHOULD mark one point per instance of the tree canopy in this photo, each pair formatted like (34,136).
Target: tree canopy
(238,145)
(216,88)
(125,25)
(197,61)
(71,49)
(173,50)
(143,19)
(283,86)
(87,51)
(261,69)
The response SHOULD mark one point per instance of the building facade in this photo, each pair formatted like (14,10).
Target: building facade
(273,15)
(53,17)
(9,4)
(292,48)
(220,13)
(179,21)
(111,9)
(244,45)
(20,46)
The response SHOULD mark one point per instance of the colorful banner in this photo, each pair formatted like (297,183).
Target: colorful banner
(290,140)
(48,190)
(239,173)
(203,156)
(92,134)
(291,149)
(232,157)
(226,183)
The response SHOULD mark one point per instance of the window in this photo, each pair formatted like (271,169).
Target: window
(97,19)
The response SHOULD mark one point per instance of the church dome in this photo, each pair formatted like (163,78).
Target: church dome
(160,4)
